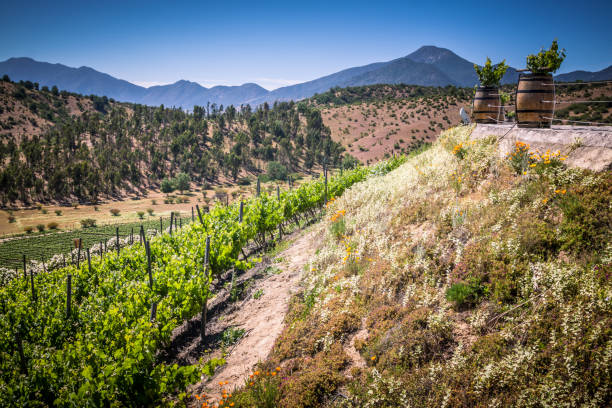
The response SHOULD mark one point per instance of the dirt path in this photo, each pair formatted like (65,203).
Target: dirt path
(262,318)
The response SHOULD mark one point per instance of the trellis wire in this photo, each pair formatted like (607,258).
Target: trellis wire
(577,83)
(579,121)
(575,101)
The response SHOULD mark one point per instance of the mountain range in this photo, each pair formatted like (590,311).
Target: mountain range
(427,66)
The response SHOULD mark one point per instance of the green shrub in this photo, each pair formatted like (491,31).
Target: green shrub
(52,225)
(88,222)
(167,186)
(546,61)
(11,219)
(58,212)
(276,171)
(115,212)
(231,335)
(490,75)
(338,228)
(40,227)
(29,229)
(150,211)
(140,214)
(244,181)
(465,295)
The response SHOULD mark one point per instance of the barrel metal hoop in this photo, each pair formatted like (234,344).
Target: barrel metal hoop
(541,78)
(529,91)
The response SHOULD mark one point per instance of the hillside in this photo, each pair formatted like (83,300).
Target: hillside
(456,280)
(372,122)
(427,66)
(88,148)
(62,147)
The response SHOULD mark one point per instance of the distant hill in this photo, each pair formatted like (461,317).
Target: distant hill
(427,66)
(87,81)
(64,147)
(586,76)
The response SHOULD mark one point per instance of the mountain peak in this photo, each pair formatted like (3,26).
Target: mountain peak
(430,54)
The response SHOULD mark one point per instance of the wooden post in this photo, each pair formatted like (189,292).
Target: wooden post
(180,222)
(88,261)
(79,254)
(171,221)
(241,211)
(132,236)
(199,214)
(192,215)
(258,187)
(117,236)
(25,272)
(32,284)
(64,259)
(161,226)
(101,249)
(142,234)
(68,294)
(148,251)
(325,171)
(278,193)
(153,314)
(204,306)
(22,360)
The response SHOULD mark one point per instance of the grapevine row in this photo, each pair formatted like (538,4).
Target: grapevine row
(104,353)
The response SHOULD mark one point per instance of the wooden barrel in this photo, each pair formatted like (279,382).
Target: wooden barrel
(535,95)
(486,108)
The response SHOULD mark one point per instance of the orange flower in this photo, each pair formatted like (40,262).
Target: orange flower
(277,368)
(373,358)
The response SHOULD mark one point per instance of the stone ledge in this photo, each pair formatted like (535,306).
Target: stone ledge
(589,147)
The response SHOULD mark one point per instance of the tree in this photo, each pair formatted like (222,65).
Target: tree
(182,182)
(167,186)
(277,171)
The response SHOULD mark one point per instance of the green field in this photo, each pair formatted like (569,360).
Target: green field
(44,246)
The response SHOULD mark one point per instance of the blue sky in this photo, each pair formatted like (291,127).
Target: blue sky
(279,43)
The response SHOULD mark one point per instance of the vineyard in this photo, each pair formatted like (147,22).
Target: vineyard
(88,334)
(43,247)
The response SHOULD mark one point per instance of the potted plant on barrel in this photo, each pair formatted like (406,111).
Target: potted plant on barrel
(487,103)
(535,94)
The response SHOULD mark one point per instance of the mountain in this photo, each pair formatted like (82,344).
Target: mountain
(87,81)
(427,66)
(603,75)
(457,68)
(83,80)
